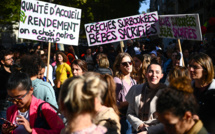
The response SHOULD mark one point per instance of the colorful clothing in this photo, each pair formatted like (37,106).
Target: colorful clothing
(55,123)
(61,72)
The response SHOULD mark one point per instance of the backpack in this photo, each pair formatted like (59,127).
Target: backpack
(40,121)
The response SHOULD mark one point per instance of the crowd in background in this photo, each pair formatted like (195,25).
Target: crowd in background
(145,89)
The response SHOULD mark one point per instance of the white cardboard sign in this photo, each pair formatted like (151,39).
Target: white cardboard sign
(181,26)
(49,22)
(122,29)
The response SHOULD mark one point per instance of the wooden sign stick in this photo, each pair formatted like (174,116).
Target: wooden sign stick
(121,45)
(49,51)
(179,43)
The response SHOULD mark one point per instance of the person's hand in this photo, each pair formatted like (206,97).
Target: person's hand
(195,117)
(142,127)
(8,127)
(22,121)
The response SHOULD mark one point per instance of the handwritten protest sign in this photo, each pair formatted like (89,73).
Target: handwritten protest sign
(182,26)
(49,22)
(122,29)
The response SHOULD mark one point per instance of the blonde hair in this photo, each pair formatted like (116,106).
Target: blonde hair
(103,63)
(78,94)
(116,65)
(177,72)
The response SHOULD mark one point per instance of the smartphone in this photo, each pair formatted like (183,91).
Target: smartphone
(8,122)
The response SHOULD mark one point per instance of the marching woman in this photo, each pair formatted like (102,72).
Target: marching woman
(79,67)
(77,100)
(62,68)
(202,73)
(23,115)
(142,99)
(123,69)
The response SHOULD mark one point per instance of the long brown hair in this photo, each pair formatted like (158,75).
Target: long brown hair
(63,55)
(109,98)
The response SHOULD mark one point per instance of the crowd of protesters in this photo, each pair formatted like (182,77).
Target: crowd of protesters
(145,89)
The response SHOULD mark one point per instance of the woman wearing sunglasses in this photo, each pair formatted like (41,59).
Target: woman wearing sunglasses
(24,113)
(142,99)
(123,68)
(202,73)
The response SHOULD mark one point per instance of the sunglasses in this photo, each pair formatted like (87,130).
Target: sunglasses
(126,63)
(17,99)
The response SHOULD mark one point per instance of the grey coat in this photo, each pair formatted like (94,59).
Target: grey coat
(133,98)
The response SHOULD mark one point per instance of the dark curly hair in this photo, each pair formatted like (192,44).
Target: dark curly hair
(31,64)
(63,55)
(178,98)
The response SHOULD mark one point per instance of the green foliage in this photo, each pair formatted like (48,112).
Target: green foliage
(10,10)
(92,10)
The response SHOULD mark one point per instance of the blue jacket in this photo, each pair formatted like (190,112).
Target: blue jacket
(44,91)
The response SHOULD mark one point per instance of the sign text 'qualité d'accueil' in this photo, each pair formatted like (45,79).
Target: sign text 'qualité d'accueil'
(122,29)
(49,22)
(181,26)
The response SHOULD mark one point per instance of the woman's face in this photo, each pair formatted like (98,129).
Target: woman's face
(172,124)
(138,63)
(54,57)
(76,70)
(20,97)
(60,58)
(126,65)
(41,73)
(101,49)
(154,74)
(196,71)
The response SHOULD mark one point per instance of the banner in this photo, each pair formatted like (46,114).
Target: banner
(49,22)
(122,29)
(182,26)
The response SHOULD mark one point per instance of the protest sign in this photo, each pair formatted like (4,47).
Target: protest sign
(181,26)
(122,29)
(49,22)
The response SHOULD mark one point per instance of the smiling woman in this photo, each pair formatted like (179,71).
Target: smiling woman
(142,99)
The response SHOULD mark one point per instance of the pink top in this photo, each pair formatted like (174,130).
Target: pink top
(54,121)
(122,88)
(92,130)
(54,63)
